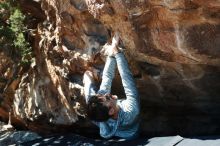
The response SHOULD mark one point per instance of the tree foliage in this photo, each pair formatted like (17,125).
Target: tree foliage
(12,32)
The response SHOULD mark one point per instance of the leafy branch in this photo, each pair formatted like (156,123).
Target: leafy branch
(12,32)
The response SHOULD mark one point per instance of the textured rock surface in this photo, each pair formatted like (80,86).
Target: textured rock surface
(172,47)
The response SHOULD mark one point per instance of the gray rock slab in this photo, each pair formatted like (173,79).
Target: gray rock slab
(77,140)
(17,137)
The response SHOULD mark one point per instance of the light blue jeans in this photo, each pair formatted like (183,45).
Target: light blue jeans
(127,124)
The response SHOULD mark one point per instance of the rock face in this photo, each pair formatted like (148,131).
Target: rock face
(173,49)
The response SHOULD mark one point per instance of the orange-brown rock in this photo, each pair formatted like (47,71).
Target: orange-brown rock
(173,48)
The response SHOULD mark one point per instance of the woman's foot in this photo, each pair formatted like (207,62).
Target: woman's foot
(111,50)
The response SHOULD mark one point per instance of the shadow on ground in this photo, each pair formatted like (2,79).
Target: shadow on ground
(77,140)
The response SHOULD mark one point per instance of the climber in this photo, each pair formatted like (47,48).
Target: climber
(114,117)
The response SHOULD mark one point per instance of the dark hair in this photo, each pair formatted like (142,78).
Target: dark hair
(97,109)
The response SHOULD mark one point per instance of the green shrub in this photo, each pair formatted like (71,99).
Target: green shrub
(12,32)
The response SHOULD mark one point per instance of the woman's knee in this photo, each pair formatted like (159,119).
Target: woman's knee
(88,76)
